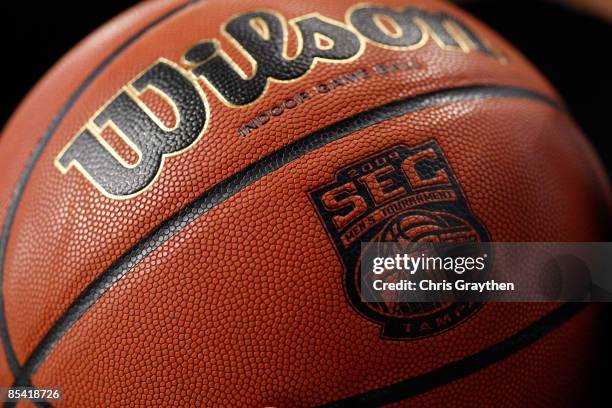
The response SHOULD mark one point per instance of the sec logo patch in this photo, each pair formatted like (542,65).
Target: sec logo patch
(403,194)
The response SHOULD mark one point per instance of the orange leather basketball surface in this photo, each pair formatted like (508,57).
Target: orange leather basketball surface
(219,285)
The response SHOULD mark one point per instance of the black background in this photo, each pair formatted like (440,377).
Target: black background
(572,49)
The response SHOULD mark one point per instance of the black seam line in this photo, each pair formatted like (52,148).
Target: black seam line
(448,373)
(19,189)
(40,404)
(242,179)
(11,357)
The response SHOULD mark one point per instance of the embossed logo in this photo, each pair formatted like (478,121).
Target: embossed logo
(403,194)
(263,39)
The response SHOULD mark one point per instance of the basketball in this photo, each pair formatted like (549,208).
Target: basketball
(184,195)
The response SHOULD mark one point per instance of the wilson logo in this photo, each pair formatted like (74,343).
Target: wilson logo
(262,36)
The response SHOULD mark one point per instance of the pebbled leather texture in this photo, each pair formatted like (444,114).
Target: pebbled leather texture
(216,284)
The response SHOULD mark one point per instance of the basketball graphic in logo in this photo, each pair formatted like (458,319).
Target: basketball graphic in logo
(422,318)
(427,226)
(401,195)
